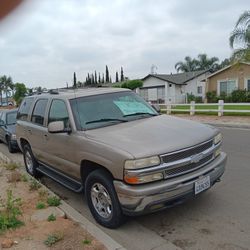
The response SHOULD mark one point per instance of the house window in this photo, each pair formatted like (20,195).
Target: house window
(199,89)
(227,86)
(248,85)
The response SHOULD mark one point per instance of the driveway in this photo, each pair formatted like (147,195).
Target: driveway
(217,219)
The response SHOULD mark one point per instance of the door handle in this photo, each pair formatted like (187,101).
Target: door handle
(46,136)
(30,131)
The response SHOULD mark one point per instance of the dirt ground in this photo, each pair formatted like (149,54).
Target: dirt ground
(32,234)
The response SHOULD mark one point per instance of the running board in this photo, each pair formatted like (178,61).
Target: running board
(62,179)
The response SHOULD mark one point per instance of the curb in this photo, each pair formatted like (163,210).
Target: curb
(74,215)
(229,125)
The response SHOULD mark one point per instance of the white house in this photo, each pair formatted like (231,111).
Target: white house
(173,88)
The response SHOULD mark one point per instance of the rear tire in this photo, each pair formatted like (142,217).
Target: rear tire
(10,147)
(31,164)
(102,199)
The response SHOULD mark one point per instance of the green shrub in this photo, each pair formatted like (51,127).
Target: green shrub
(53,201)
(53,238)
(212,97)
(132,84)
(40,205)
(239,95)
(10,212)
(51,217)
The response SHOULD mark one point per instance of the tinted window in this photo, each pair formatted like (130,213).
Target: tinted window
(39,111)
(58,112)
(24,109)
(11,118)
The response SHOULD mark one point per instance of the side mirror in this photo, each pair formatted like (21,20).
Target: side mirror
(156,107)
(58,127)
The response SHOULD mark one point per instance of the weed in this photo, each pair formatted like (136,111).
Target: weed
(9,212)
(34,184)
(53,238)
(11,166)
(86,242)
(53,201)
(43,194)
(51,217)
(24,178)
(40,205)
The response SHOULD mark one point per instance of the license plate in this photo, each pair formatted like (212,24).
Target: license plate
(202,184)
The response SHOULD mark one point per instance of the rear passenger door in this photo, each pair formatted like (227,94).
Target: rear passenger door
(36,129)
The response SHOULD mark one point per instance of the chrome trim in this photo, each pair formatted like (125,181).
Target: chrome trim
(178,163)
(185,149)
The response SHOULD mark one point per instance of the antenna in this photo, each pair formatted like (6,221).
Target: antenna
(153,69)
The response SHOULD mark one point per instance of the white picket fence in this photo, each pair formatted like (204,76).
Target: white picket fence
(168,108)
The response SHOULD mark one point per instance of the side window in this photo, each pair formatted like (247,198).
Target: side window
(58,112)
(23,111)
(39,111)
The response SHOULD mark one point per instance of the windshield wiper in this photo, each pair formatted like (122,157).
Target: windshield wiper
(141,113)
(106,120)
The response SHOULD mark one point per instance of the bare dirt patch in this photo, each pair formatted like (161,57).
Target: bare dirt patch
(33,234)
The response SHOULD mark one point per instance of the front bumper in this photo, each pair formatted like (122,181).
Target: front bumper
(155,196)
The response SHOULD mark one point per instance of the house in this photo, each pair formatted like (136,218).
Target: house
(230,78)
(173,88)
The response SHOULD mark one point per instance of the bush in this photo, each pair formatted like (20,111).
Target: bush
(240,95)
(132,84)
(53,201)
(192,97)
(212,97)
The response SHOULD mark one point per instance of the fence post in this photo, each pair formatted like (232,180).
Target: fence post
(220,107)
(169,109)
(192,108)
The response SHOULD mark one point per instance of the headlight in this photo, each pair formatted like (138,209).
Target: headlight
(142,163)
(13,136)
(130,179)
(217,138)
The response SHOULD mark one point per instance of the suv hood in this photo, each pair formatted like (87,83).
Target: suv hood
(153,136)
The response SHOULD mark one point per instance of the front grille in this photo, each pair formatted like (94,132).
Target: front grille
(187,152)
(175,171)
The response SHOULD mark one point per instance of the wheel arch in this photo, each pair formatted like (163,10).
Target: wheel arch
(89,166)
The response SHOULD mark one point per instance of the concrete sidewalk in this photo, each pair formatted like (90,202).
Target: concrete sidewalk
(223,121)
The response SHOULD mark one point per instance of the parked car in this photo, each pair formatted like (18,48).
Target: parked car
(128,159)
(8,129)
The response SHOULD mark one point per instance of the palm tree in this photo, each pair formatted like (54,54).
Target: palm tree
(204,62)
(188,65)
(240,38)
(5,84)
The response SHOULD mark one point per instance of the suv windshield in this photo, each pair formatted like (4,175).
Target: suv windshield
(11,118)
(109,109)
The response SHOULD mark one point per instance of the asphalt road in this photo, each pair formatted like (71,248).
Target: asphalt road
(217,219)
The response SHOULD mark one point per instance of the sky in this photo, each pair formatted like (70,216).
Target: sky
(43,42)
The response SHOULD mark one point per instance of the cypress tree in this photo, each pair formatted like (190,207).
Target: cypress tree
(110,79)
(116,77)
(122,76)
(102,77)
(74,83)
(92,79)
(107,74)
(99,78)
(95,77)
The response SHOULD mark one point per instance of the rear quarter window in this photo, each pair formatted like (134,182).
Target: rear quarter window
(24,109)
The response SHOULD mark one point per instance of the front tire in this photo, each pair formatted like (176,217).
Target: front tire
(102,199)
(31,164)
